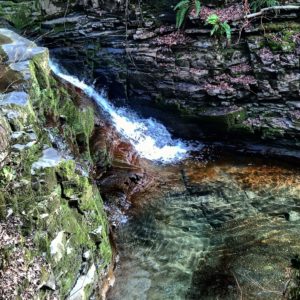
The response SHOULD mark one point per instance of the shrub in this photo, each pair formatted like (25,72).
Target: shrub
(219,28)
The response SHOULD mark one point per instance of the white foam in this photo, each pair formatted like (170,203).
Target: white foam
(150,138)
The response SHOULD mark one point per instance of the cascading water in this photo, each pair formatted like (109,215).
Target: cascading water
(150,138)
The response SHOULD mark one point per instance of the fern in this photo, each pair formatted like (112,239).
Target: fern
(197,7)
(181,4)
(227,30)
(212,19)
(256,5)
(219,28)
(183,7)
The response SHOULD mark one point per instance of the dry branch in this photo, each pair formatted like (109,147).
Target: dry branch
(273,8)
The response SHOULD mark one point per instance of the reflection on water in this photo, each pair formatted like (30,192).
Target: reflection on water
(221,231)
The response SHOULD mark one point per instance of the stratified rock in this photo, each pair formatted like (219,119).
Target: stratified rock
(162,72)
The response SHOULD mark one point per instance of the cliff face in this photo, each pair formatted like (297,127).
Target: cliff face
(249,88)
(54,231)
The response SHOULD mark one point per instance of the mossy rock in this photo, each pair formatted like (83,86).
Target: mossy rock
(271,133)
(36,192)
(20,14)
(282,42)
(222,119)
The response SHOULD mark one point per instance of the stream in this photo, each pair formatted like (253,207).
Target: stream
(216,226)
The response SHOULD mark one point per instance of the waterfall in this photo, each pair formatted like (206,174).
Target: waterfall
(150,138)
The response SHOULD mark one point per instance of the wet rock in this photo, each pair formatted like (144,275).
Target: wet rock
(21,49)
(96,235)
(14,98)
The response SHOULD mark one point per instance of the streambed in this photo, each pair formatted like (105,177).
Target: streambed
(224,230)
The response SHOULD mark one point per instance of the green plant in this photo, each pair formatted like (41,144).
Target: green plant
(183,7)
(256,5)
(219,28)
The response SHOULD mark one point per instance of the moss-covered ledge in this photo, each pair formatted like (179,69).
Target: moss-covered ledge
(50,208)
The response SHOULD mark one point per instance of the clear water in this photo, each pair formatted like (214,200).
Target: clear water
(218,232)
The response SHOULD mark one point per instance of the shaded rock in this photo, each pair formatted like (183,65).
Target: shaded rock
(157,70)
(50,283)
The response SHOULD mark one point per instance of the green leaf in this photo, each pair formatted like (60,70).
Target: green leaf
(181,16)
(181,4)
(214,30)
(227,30)
(197,7)
(8,173)
(212,19)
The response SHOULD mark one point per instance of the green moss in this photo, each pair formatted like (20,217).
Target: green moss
(279,36)
(243,129)
(273,26)
(66,169)
(44,195)
(40,68)
(64,27)
(50,98)
(282,42)
(19,14)
(2,205)
(224,121)
(271,133)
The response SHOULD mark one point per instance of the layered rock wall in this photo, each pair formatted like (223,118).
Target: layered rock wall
(248,88)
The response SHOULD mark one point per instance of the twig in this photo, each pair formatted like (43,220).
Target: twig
(66,11)
(273,8)
(256,283)
(239,287)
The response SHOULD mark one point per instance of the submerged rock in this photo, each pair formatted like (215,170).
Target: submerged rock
(221,230)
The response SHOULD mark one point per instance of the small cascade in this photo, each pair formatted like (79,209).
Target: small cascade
(150,138)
